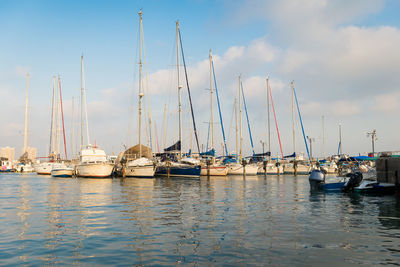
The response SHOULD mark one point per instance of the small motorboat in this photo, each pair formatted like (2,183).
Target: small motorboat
(319,181)
(370,185)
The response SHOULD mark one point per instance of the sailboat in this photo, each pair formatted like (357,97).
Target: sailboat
(44,168)
(59,168)
(271,166)
(298,165)
(93,161)
(175,165)
(25,163)
(210,166)
(140,166)
(241,167)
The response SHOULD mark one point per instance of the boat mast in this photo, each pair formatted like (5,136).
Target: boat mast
(84,106)
(51,149)
(323,136)
(140,81)
(236,129)
(211,104)
(240,121)
(72,129)
(294,133)
(269,118)
(26,115)
(58,116)
(62,117)
(179,88)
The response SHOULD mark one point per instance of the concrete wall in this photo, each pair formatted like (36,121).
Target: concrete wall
(388,170)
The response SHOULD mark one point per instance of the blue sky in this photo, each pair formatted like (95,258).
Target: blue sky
(341,55)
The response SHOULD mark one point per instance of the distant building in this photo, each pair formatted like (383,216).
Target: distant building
(8,152)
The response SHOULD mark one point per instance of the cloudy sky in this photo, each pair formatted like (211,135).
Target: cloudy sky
(343,57)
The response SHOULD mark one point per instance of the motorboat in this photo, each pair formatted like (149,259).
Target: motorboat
(62,170)
(93,162)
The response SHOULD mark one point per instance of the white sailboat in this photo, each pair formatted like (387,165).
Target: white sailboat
(25,164)
(44,168)
(211,167)
(240,167)
(93,161)
(298,165)
(141,166)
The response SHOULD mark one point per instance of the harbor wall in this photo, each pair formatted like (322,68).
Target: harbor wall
(388,170)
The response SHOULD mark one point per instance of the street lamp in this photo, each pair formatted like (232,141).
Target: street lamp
(372,134)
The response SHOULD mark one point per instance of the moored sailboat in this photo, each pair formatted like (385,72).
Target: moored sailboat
(140,166)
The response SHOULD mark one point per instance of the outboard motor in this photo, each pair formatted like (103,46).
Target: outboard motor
(354,181)
(317,177)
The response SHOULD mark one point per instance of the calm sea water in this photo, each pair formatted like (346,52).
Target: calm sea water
(260,220)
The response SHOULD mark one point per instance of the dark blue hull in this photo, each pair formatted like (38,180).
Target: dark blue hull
(332,186)
(179,171)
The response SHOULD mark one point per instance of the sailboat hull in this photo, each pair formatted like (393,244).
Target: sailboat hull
(94,170)
(237,169)
(62,172)
(140,171)
(215,170)
(44,168)
(179,170)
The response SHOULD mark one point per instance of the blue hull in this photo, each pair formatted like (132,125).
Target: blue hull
(181,171)
(332,186)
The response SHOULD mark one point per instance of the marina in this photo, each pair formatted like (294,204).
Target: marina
(200,133)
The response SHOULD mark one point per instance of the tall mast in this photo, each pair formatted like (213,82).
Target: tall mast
(84,106)
(62,117)
(236,128)
(52,137)
(82,95)
(211,103)
(140,81)
(58,116)
(72,129)
(26,114)
(323,136)
(340,139)
(269,118)
(179,88)
(240,121)
(294,133)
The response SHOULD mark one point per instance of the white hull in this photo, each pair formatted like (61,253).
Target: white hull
(215,170)
(270,169)
(44,168)
(140,171)
(25,168)
(237,169)
(65,172)
(95,170)
(301,169)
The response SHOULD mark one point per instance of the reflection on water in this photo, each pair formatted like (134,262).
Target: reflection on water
(271,220)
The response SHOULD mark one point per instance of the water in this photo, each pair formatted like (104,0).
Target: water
(217,221)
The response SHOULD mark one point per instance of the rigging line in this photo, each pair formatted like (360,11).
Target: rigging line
(52,118)
(62,117)
(301,122)
(190,98)
(276,122)
(219,108)
(247,116)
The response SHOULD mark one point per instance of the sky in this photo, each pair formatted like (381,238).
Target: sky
(343,57)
